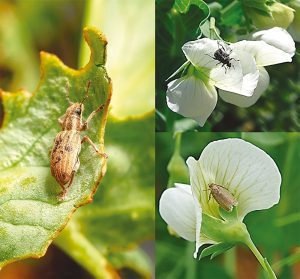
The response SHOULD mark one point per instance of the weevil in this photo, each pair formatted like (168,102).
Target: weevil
(222,196)
(223,57)
(64,158)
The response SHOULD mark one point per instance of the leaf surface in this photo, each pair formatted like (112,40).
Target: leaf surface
(31,215)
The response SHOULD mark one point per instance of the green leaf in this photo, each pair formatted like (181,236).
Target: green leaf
(183,6)
(185,124)
(215,250)
(31,215)
(232,14)
(122,214)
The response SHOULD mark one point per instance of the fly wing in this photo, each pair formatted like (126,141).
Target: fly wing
(64,155)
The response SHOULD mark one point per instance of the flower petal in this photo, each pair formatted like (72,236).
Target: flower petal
(198,212)
(277,37)
(200,52)
(244,101)
(191,97)
(246,171)
(263,53)
(176,207)
(250,75)
(199,183)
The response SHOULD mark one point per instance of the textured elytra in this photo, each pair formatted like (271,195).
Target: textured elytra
(30,214)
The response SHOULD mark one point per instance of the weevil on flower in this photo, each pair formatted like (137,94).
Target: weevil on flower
(64,158)
(223,57)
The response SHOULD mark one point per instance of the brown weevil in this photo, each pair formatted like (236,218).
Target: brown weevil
(222,196)
(64,160)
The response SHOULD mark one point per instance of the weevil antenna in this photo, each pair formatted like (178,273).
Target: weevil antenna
(86,93)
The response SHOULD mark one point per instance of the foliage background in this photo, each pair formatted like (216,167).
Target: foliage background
(278,109)
(274,231)
(27,27)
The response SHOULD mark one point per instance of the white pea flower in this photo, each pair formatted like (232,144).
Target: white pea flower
(240,77)
(194,95)
(246,171)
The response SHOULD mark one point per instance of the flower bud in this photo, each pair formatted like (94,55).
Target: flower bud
(281,16)
(294,28)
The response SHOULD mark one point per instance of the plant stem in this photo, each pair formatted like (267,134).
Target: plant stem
(263,262)
(177,143)
(212,28)
(230,262)
(190,270)
(77,246)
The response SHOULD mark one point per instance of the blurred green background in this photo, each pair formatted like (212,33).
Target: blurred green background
(278,109)
(125,238)
(274,231)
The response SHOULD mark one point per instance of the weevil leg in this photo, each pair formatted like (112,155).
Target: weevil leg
(234,59)
(85,124)
(221,46)
(88,140)
(211,56)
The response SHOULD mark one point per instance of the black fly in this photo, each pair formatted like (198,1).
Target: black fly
(223,57)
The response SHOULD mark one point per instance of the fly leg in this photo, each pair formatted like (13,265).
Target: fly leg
(88,140)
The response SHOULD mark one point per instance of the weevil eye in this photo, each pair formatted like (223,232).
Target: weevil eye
(78,111)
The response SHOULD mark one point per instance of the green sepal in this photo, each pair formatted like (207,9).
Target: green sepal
(215,250)
(229,215)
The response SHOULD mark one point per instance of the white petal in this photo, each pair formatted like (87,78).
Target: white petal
(199,182)
(245,170)
(200,52)
(176,207)
(244,101)
(250,74)
(277,37)
(198,212)
(229,78)
(191,97)
(264,54)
